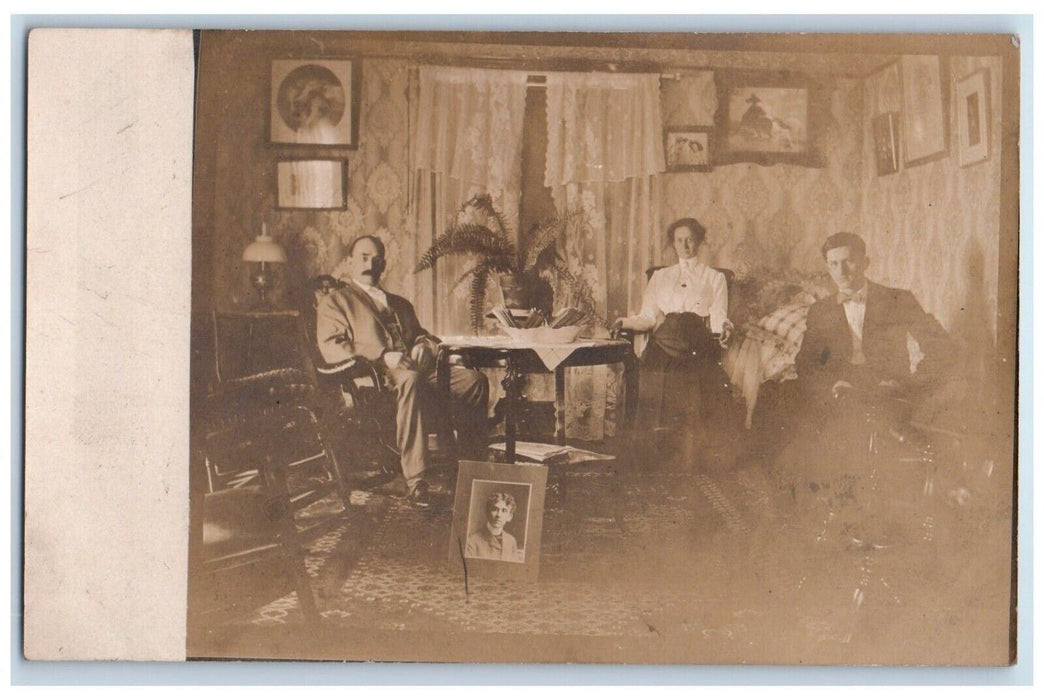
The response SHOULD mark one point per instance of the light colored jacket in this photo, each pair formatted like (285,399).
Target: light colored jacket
(349,324)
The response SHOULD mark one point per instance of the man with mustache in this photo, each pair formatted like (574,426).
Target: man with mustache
(363,320)
(491,541)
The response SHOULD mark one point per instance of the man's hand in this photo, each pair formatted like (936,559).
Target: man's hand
(393,359)
(614,330)
(423,357)
(840,388)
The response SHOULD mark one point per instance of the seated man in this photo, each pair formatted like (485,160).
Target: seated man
(490,541)
(857,345)
(361,319)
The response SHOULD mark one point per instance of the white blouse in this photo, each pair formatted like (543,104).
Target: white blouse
(689,286)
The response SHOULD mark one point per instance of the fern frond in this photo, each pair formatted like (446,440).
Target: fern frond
(542,237)
(545,234)
(502,223)
(467,238)
(477,297)
(491,265)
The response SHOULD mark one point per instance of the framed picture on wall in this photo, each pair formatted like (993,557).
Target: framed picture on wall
(973,118)
(886,143)
(311,184)
(498,517)
(924,123)
(687,148)
(766,117)
(315,102)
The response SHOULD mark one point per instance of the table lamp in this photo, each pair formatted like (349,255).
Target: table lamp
(264,251)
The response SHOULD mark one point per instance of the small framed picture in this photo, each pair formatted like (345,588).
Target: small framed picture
(973,118)
(498,517)
(315,102)
(886,143)
(687,149)
(311,184)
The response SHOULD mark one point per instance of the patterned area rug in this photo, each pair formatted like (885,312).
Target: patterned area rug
(712,561)
(593,581)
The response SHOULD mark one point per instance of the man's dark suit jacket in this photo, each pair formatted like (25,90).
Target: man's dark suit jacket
(826,350)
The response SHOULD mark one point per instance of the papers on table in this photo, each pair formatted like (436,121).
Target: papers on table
(551,454)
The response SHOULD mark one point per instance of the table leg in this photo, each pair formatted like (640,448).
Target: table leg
(512,384)
(631,391)
(442,386)
(560,405)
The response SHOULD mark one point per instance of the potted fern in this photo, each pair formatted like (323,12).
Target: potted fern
(527,273)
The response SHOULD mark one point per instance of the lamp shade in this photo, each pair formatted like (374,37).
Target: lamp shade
(264,249)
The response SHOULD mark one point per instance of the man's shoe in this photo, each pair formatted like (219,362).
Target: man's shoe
(420,497)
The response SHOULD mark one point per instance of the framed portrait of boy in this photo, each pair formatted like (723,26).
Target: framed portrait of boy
(498,517)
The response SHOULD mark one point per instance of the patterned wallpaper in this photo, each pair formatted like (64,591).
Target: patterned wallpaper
(315,241)
(766,220)
(934,228)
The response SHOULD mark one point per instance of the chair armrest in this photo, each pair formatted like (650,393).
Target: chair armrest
(350,369)
(357,379)
(277,388)
(630,335)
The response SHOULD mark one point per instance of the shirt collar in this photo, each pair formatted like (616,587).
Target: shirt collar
(367,287)
(858,296)
(689,265)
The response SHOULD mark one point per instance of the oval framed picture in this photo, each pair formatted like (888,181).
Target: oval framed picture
(315,102)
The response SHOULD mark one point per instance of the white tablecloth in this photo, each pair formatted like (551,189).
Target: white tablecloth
(551,354)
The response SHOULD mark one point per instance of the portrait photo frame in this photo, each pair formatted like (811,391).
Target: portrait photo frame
(312,183)
(886,143)
(315,102)
(687,148)
(973,118)
(924,109)
(481,545)
(767,117)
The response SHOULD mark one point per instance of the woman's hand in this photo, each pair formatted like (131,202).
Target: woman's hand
(726,334)
(618,325)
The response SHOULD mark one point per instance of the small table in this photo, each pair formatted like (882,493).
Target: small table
(519,358)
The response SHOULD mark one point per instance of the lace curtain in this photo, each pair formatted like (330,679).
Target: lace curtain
(468,140)
(602,127)
(605,136)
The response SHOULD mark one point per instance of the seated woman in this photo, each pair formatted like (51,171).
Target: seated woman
(685,307)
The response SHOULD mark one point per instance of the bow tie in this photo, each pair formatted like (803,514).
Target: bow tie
(858,297)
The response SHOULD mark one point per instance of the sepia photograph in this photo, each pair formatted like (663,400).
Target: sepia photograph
(688,149)
(493,510)
(497,521)
(511,373)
